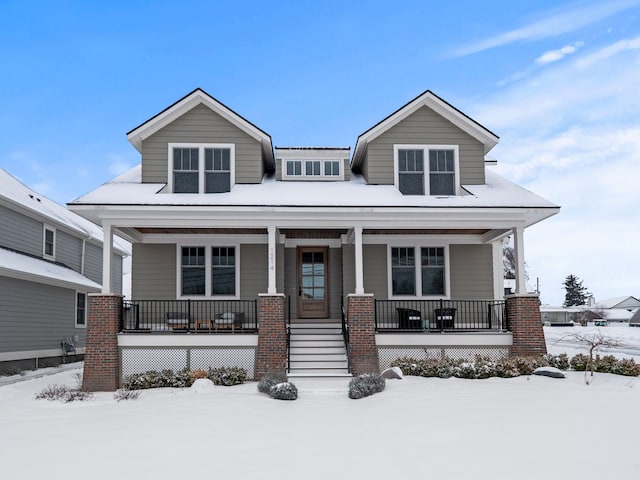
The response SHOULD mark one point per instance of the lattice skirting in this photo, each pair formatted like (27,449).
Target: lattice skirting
(388,354)
(143,359)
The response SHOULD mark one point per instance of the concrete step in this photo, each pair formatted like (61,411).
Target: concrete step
(319,373)
(318,357)
(317,343)
(321,350)
(317,336)
(316,364)
(316,331)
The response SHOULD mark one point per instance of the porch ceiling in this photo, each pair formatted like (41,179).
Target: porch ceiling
(313,233)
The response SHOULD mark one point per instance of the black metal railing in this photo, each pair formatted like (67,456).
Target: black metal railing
(440,315)
(345,334)
(288,333)
(193,316)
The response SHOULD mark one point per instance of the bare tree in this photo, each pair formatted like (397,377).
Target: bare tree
(593,342)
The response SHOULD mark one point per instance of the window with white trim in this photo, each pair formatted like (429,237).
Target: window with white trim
(437,176)
(201,168)
(312,169)
(208,271)
(332,168)
(423,276)
(49,242)
(81,309)
(294,168)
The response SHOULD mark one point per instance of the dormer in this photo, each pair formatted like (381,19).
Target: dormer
(199,145)
(427,147)
(319,164)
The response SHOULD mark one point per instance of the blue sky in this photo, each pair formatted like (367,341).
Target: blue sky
(558,81)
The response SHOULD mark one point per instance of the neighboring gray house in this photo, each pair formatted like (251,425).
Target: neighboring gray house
(50,259)
(412,219)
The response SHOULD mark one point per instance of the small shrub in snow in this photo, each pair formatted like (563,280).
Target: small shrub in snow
(526,365)
(506,368)
(606,364)
(365,385)
(429,367)
(627,367)
(157,379)
(560,362)
(120,395)
(196,374)
(227,376)
(284,391)
(269,380)
(62,393)
(579,362)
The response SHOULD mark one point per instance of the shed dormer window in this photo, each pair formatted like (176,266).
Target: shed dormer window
(438,176)
(201,168)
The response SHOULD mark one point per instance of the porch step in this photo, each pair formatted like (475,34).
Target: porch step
(317,350)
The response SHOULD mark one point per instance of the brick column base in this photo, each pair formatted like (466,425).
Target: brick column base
(363,352)
(272,336)
(525,322)
(101,358)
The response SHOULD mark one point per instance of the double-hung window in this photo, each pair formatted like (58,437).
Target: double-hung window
(294,168)
(312,169)
(331,168)
(208,271)
(49,243)
(81,309)
(201,168)
(426,169)
(418,271)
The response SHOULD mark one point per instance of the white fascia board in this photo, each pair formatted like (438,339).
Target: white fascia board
(428,99)
(196,98)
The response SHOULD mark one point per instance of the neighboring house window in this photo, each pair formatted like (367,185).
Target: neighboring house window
(426,169)
(185,170)
(193,271)
(312,168)
(423,276)
(49,242)
(217,170)
(223,271)
(294,168)
(81,309)
(332,168)
(201,168)
(208,271)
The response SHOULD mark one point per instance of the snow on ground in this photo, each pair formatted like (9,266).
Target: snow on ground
(525,428)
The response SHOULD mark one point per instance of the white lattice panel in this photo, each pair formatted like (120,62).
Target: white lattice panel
(140,360)
(206,358)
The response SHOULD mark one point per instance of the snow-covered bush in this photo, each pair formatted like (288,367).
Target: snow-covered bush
(157,379)
(429,367)
(560,362)
(284,391)
(121,394)
(227,376)
(627,367)
(62,393)
(579,362)
(365,385)
(269,380)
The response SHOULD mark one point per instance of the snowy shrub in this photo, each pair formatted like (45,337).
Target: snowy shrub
(526,365)
(269,380)
(62,393)
(365,385)
(627,367)
(284,391)
(429,367)
(227,376)
(196,374)
(506,368)
(579,362)
(481,367)
(157,379)
(606,364)
(560,362)
(120,395)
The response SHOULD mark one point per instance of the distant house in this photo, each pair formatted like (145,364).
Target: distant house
(618,309)
(50,259)
(634,321)
(313,260)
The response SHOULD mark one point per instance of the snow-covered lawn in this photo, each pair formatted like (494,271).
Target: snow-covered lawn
(523,428)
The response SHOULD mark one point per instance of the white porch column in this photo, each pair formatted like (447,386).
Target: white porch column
(107,253)
(271,288)
(358,254)
(518,244)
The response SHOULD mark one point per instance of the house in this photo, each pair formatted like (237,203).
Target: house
(245,254)
(618,309)
(50,260)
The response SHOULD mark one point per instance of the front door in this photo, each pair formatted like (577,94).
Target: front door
(313,282)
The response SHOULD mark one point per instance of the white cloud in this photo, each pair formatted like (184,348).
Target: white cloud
(555,55)
(554,25)
(609,51)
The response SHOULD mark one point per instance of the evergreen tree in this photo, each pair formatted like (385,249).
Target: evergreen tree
(577,294)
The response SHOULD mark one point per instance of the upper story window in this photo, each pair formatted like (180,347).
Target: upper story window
(437,176)
(201,168)
(49,242)
(312,169)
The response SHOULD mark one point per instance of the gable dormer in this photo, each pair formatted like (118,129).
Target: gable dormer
(199,145)
(427,147)
(320,164)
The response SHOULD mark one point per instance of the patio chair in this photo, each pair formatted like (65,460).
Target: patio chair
(178,320)
(445,318)
(409,319)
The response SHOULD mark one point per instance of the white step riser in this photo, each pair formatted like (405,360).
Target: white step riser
(317,336)
(316,344)
(334,333)
(318,350)
(317,364)
(319,358)
(318,372)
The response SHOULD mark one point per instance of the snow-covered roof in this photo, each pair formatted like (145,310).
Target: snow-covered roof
(15,192)
(18,265)
(127,189)
(619,302)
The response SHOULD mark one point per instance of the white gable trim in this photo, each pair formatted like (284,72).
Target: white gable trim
(191,101)
(428,99)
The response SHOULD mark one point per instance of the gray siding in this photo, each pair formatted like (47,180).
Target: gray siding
(93,262)
(346,168)
(348,270)
(36,316)
(153,272)
(335,282)
(201,125)
(375,270)
(424,127)
(20,232)
(280,282)
(471,272)
(291,278)
(253,270)
(116,274)
(69,250)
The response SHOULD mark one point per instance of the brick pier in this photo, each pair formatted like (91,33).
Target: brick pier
(525,323)
(363,352)
(272,336)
